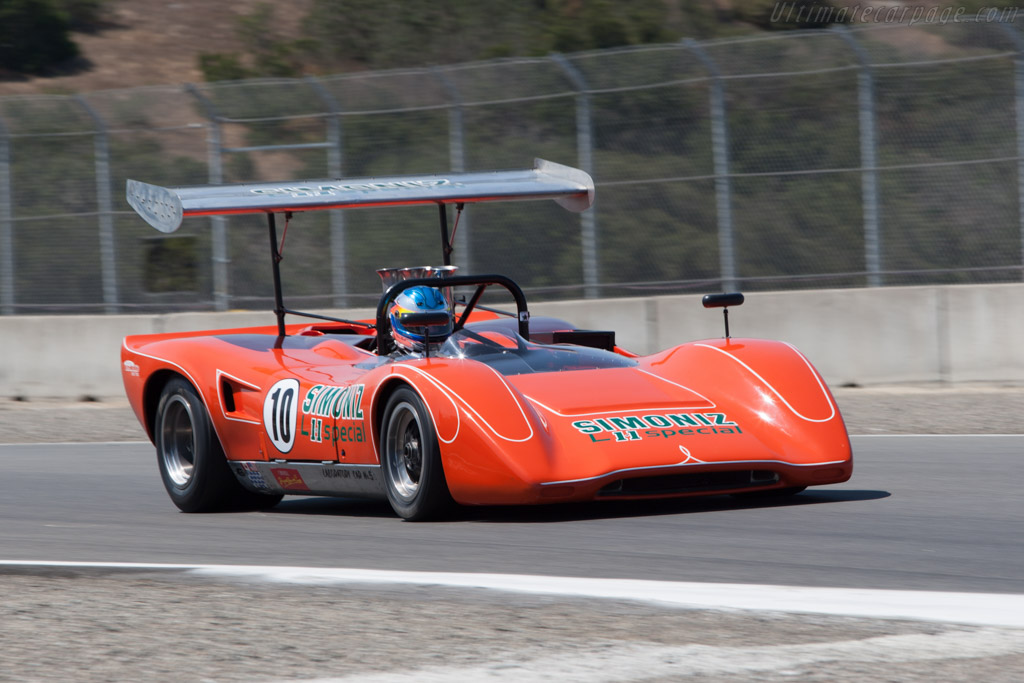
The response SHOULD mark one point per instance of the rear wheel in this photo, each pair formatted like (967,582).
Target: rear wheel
(192,463)
(411,459)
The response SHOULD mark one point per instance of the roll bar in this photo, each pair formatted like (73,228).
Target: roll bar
(385,344)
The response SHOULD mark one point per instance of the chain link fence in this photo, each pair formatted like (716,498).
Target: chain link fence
(881,155)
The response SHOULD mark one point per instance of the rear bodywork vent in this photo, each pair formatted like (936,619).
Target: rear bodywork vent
(695,482)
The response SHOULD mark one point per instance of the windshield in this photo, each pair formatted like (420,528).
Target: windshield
(510,354)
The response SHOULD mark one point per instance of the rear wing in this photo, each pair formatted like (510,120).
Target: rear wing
(165,207)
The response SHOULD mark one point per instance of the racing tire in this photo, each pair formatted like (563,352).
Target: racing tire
(191,460)
(411,459)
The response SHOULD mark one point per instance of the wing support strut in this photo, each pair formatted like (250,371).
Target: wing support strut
(279,308)
(447,241)
(275,257)
(446,245)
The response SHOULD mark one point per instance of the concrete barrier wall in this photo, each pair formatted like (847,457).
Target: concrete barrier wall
(964,333)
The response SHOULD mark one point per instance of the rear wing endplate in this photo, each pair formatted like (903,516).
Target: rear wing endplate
(165,207)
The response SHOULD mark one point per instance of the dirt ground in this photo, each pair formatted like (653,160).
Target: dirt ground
(133,627)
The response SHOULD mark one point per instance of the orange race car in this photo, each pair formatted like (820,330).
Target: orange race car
(440,400)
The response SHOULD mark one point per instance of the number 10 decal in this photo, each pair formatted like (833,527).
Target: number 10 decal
(280,407)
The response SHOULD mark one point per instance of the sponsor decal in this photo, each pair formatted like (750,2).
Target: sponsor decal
(331,189)
(333,473)
(255,477)
(289,479)
(131,368)
(319,432)
(324,404)
(341,403)
(280,408)
(637,427)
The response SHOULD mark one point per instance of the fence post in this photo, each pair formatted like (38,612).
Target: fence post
(457,162)
(335,156)
(585,153)
(1018,109)
(6,225)
(104,205)
(221,293)
(723,182)
(868,160)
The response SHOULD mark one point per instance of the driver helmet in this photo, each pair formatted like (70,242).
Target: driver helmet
(420,299)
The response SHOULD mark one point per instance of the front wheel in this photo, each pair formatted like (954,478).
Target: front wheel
(411,459)
(192,463)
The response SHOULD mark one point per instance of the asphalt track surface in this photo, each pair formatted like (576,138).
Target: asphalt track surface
(924,513)
(941,513)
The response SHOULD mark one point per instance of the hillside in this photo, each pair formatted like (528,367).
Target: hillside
(153,42)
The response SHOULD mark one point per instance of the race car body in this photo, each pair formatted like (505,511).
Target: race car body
(503,410)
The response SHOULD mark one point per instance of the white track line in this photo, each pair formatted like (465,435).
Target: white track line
(613,661)
(984,609)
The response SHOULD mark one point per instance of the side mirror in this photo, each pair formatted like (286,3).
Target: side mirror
(723,301)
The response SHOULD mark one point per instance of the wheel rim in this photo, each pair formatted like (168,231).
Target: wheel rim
(404,451)
(177,441)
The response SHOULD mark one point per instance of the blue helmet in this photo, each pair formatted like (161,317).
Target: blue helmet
(419,299)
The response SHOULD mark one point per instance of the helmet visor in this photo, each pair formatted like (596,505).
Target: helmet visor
(436,324)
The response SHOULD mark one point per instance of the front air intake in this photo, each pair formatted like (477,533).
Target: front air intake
(696,482)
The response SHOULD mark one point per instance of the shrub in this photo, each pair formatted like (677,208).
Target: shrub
(33,36)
